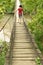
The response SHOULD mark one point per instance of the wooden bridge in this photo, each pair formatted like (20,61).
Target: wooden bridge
(22,49)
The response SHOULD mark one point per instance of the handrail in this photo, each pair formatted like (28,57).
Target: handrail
(5,24)
(12,39)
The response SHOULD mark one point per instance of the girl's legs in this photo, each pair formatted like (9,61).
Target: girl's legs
(20,18)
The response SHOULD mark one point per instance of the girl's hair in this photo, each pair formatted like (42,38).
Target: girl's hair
(20,5)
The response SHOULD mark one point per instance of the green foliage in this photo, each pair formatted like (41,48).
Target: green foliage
(38,61)
(9,7)
(36,27)
(2,58)
(3,51)
(35,8)
(6,6)
(31,6)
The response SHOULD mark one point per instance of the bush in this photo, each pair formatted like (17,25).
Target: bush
(38,61)
(3,51)
(36,27)
(6,6)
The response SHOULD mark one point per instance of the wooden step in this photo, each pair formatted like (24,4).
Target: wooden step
(23,63)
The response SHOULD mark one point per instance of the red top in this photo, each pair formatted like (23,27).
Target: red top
(20,10)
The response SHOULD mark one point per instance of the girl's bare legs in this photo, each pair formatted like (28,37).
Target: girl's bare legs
(20,19)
